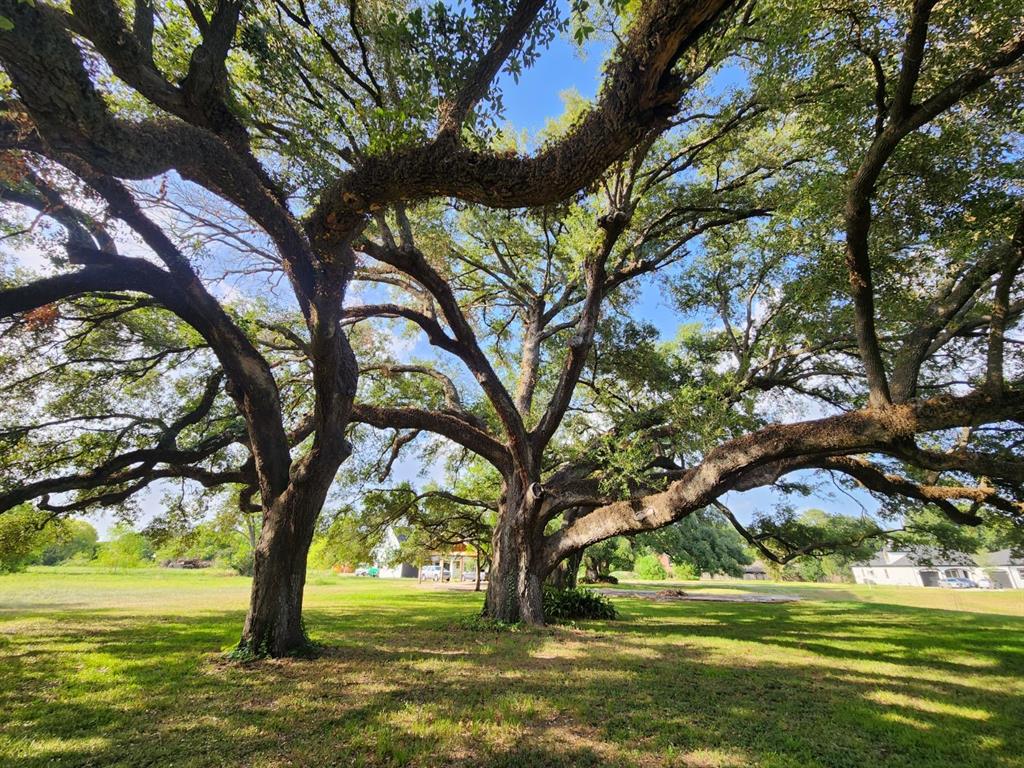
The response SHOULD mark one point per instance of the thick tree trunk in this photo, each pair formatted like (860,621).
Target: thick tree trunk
(273,626)
(565,573)
(596,570)
(515,584)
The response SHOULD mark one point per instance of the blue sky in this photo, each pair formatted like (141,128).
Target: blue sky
(537,96)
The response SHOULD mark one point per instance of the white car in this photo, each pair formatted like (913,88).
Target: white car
(433,573)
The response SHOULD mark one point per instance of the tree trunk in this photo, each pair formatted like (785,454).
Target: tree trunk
(514,584)
(595,570)
(273,626)
(564,574)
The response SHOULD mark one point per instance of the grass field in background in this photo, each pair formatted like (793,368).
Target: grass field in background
(1005,601)
(126,669)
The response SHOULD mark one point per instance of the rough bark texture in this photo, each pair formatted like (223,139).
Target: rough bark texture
(515,583)
(273,626)
(564,575)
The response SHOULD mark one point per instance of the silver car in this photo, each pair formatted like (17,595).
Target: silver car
(433,573)
(956,582)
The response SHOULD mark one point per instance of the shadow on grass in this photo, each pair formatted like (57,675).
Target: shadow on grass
(859,631)
(400,684)
(1010,603)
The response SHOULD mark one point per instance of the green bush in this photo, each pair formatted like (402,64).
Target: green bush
(74,540)
(649,568)
(685,572)
(579,603)
(242,561)
(126,549)
(213,541)
(24,534)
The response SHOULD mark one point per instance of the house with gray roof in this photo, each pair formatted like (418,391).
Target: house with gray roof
(925,567)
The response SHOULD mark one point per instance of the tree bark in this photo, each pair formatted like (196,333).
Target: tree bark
(596,570)
(515,582)
(564,575)
(273,626)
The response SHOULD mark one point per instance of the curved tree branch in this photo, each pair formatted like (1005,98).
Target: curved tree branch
(453,426)
(868,430)
(640,93)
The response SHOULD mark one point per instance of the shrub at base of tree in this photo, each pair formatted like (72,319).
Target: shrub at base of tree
(562,605)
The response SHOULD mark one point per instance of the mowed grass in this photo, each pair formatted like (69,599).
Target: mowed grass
(126,669)
(1009,601)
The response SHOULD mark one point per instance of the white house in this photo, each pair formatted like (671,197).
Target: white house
(385,551)
(1006,571)
(924,568)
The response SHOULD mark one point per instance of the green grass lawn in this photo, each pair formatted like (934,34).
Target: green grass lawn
(108,669)
(1009,602)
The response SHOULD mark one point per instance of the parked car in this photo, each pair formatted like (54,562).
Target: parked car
(984,582)
(471,576)
(433,573)
(370,570)
(956,582)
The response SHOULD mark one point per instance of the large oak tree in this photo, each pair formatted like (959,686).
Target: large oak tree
(307,120)
(868,275)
